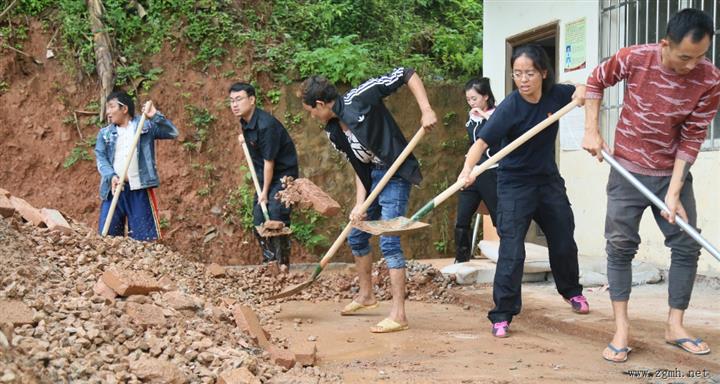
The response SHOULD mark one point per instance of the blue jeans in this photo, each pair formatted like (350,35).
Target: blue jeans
(138,208)
(391,203)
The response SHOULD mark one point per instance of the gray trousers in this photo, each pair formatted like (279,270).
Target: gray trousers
(625,207)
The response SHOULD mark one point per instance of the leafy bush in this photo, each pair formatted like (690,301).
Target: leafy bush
(304,227)
(345,40)
(343,61)
(81,151)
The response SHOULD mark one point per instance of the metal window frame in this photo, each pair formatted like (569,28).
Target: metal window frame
(613,97)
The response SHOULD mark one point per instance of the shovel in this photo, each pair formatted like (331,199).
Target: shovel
(660,204)
(270,228)
(368,201)
(401,224)
(123,174)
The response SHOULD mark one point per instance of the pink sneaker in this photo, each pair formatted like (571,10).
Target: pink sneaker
(500,329)
(579,304)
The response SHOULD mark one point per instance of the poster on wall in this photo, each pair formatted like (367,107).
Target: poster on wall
(575,53)
(572,129)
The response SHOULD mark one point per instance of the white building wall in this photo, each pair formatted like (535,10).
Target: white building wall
(585,177)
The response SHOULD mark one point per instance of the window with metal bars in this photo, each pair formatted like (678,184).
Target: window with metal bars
(631,22)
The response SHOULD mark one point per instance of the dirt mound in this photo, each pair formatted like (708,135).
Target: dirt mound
(75,334)
(41,129)
(66,321)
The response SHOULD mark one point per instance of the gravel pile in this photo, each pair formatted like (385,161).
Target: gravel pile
(58,325)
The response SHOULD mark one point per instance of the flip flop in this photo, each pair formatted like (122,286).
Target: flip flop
(354,306)
(617,350)
(388,325)
(680,343)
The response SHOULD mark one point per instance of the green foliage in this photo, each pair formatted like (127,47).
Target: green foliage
(4,87)
(449,118)
(208,171)
(164,223)
(202,120)
(441,246)
(32,7)
(92,106)
(292,121)
(239,206)
(346,40)
(274,96)
(190,146)
(305,225)
(438,37)
(204,191)
(75,26)
(81,151)
(341,61)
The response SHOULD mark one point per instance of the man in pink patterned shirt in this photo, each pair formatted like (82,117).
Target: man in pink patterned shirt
(671,97)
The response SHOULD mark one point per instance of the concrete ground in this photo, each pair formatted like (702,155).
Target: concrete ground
(548,343)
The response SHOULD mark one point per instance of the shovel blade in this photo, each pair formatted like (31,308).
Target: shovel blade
(293,289)
(392,227)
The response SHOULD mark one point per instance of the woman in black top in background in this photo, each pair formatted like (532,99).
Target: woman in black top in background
(481,100)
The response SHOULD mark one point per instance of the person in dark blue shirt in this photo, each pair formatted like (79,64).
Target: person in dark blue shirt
(481,101)
(529,185)
(273,156)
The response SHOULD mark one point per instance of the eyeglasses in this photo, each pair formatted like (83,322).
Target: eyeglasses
(237,100)
(527,74)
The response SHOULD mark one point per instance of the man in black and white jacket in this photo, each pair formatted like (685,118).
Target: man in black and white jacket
(359,125)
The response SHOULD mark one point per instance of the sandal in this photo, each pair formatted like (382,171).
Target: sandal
(617,350)
(354,306)
(680,343)
(388,325)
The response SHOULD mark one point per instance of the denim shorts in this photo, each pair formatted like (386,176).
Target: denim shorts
(391,203)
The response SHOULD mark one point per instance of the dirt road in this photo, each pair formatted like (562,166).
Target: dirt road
(549,344)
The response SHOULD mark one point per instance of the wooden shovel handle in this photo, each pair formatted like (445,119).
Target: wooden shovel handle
(374,194)
(123,174)
(494,159)
(255,179)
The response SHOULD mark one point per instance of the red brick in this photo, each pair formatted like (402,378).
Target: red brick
(215,270)
(15,312)
(126,283)
(282,357)
(273,268)
(229,302)
(145,314)
(167,284)
(238,376)
(55,220)
(103,290)
(180,301)
(306,354)
(308,195)
(157,371)
(7,209)
(27,211)
(246,320)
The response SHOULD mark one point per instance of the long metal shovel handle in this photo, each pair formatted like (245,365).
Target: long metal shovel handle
(371,198)
(494,159)
(660,204)
(263,207)
(123,174)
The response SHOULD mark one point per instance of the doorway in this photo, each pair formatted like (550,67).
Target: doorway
(546,36)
